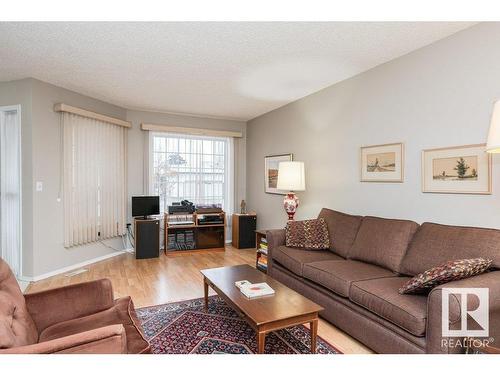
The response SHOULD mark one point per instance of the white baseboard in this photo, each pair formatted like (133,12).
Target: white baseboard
(23,284)
(70,268)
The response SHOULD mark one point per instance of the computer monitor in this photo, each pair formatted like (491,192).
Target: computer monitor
(145,205)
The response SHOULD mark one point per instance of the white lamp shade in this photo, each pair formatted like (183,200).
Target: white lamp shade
(291,176)
(493,145)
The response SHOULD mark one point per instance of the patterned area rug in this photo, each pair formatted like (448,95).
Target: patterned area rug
(185,328)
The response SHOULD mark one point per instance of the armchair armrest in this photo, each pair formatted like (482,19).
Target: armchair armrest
(436,343)
(69,302)
(275,238)
(105,340)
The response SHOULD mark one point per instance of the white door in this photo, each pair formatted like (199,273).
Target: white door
(10,187)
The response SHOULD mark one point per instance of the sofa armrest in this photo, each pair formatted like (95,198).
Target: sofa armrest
(105,340)
(73,301)
(436,343)
(275,238)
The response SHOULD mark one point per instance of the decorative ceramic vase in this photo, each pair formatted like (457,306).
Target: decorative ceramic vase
(291,202)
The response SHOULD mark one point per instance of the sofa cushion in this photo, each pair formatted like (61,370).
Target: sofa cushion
(449,271)
(16,325)
(342,229)
(435,244)
(383,241)
(338,275)
(122,312)
(294,259)
(381,297)
(307,234)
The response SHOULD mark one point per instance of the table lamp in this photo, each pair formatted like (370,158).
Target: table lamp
(291,177)
(493,145)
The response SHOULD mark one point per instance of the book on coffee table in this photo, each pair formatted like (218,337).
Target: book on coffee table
(256,290)
(240,283)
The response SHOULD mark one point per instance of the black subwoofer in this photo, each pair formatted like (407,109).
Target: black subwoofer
(244,231)
(147,238)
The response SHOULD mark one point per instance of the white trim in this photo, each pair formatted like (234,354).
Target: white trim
(23,285)
(149,160)
(72,267)
(191,131)
(230,183)
(18,109)
(20,192)
(61,107)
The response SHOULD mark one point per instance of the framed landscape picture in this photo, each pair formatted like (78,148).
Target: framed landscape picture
(271,164)
(457,170)
(382,163)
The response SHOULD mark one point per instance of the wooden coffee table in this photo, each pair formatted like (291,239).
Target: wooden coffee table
(286,308)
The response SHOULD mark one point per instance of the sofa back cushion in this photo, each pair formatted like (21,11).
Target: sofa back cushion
(16,326)
(435,244)
(383,241)
(342,229)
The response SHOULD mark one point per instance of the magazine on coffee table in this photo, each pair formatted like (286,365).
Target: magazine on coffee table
(250,290)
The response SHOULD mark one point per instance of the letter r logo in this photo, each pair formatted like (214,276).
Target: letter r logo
(477,314)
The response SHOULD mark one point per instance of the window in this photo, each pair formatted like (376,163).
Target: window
(94,179)
(196,168)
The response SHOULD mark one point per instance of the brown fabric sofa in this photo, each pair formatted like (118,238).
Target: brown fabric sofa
(370,258)
(80,318)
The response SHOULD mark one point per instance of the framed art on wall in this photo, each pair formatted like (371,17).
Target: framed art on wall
(382,163)
(457,170)
(271,164)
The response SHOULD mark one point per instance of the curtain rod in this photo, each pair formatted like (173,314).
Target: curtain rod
(61,107)
(191,131)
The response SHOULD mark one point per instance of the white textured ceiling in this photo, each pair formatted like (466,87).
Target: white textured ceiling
(231,70)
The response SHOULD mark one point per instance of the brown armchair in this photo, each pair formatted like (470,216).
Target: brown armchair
(80,318)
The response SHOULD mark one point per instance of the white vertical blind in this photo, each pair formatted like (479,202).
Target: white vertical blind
(94,179)
(10,188)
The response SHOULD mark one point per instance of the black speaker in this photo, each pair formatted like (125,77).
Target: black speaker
(147,238)
(244,231)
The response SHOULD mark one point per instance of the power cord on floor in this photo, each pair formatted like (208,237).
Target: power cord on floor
(125,249)
(130,234)
(109,246)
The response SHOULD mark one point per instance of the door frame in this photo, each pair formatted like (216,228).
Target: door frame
(17,108)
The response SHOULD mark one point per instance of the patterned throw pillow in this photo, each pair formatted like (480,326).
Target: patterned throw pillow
(449,271)
(308,234)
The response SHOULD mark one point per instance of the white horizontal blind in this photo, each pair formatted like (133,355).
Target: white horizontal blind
(196,168)
(94,179)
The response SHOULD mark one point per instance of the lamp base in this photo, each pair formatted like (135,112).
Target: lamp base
(291,202)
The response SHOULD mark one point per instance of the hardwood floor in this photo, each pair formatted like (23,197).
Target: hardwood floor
(175,278)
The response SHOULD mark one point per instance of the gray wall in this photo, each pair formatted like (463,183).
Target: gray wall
(440,95)
(48,226)
(138,147)
(15,93)
(43,231)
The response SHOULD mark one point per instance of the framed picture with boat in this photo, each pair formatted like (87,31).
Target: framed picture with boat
(457,170)
(271,164)
(382,163)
